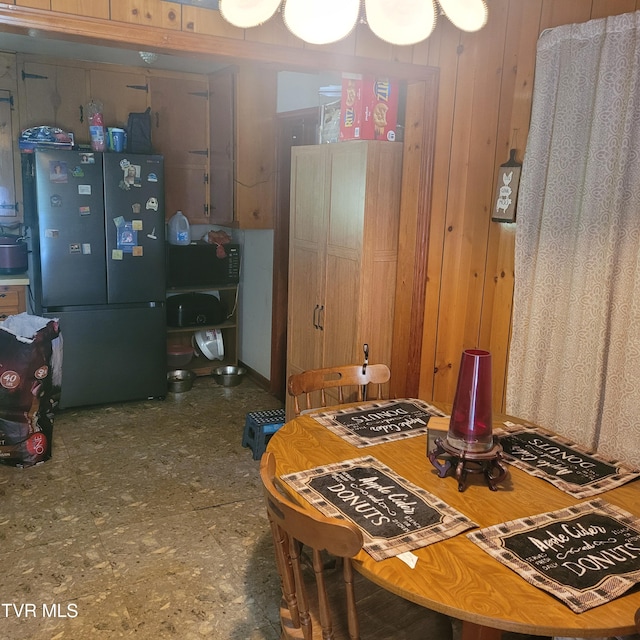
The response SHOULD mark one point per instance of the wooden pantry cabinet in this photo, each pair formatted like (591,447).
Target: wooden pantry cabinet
(345,208)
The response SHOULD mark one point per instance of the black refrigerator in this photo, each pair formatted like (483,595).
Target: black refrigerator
(97,263)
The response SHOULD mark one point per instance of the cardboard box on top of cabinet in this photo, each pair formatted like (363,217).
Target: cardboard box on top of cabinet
(369,108)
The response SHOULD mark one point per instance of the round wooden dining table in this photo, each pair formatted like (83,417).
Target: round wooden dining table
(455,576)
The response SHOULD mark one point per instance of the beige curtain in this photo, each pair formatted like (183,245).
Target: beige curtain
(575,352)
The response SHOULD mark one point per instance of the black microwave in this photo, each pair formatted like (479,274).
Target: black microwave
(199,265)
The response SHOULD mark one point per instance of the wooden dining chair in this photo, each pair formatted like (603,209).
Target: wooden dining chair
(333,603)
(351,382)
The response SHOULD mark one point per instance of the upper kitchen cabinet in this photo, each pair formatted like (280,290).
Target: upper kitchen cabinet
(120,93)
(53,95)
(8,208)
(180,132)
(242,106)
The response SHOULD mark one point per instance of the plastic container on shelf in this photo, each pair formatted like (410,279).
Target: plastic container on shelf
(179,232)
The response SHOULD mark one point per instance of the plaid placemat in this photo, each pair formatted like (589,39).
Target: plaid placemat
(585,555)
(379,421)
(393,514)
(561,462)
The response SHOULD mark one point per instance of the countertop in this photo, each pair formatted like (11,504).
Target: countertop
(19,279)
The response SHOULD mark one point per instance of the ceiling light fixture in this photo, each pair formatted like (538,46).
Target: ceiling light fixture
(401,22)
(148,56)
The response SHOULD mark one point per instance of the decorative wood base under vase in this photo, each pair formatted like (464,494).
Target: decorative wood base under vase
(489,463)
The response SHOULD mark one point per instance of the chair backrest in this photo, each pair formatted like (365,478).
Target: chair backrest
(353,377)
(293,527)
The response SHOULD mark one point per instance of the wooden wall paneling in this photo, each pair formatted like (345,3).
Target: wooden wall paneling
(415,222)
(91,8)
(513,124)
(209,22)
(603,8)
(151,13)
(370,46)
(470,189)
(443,53)
(568,12)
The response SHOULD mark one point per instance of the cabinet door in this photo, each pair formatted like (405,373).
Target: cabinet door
(54,96)
(7,183)
(222,146)
(255,185)
(307,258)
(120,94)
(180,133)
(344,250)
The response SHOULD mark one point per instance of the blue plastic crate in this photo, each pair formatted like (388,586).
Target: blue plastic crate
(259,427)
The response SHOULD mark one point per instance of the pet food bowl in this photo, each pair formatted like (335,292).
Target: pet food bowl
(229,376)
(180,380)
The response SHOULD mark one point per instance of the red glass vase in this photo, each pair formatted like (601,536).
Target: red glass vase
(470,428)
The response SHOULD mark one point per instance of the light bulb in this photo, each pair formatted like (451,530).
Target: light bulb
(401,22)
(468,15)
(321,21)
(247,13)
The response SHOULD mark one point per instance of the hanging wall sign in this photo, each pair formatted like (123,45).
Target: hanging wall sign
(504,207)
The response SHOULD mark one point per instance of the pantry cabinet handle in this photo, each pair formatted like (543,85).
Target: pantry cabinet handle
(315,322)
(321,318)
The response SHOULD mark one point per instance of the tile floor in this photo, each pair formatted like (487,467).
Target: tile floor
(146,523)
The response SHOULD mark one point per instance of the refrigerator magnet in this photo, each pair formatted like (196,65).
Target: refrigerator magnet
(152,235)
(118,221)
(55,200)
(84,189)
(116,254)
(127,237)
(77,172)
(85,211)
(137,250)
(57,171)
(152,177)
(136,207)
(137,225)
(51,233)
(86,248)
(87,158)
(152,203)
(74,247)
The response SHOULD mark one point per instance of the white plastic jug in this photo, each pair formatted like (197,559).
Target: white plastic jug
(179,229)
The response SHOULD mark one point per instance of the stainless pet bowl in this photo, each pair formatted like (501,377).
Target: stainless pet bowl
(229,376)
(180,380)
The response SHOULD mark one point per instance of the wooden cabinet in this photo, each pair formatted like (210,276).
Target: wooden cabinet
(242,114)
(345,203)
(8,209)
(54,95)
(120,92)
(180,132)
(201,365)
(12,300)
